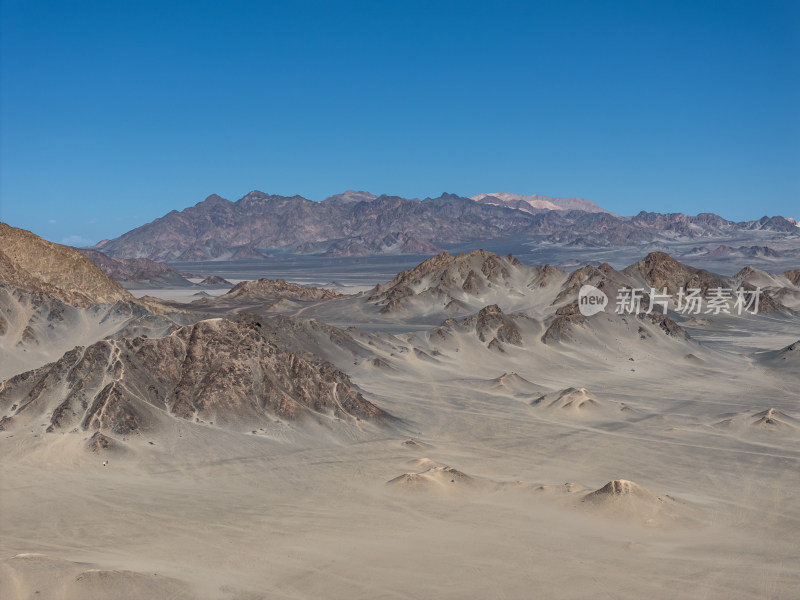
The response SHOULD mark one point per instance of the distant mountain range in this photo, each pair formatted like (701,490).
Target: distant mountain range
(359,224)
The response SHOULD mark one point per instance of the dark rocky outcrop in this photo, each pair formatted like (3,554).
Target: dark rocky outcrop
(214,370)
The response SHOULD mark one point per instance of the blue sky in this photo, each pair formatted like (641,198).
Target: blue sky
(115,113)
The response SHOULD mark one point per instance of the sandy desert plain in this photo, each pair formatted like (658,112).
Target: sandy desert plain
(477,438)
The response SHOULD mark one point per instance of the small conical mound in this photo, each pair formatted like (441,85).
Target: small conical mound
(573,400)
(773,418)
(438,478)
(510,382)
(625,499)
(621,487)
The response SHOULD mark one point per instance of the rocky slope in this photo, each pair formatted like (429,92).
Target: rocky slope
(492,327)
(214,280)
(31,263)
(465,282)
(276,289)
(136,271)
(660,270)
(793,276)
(269,288)
(725,251)
(36,329)
(783,287)
(52,298)
(393,243)
(213,371)
(459,285)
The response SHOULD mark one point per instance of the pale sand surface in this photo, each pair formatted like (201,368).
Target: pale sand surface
(306,513)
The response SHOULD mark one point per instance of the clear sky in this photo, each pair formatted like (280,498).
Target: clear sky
(116,112)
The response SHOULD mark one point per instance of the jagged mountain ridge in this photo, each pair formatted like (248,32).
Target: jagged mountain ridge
(217,228)
(214,371)
(36,329)
(464,283)
(355,223)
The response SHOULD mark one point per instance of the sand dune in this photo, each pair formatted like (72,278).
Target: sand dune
(41,576)
(439,479)
(509,383)
(770,421)
(565,488)
(579,403)
(785,358)
(774,417)
(625,499)
(423,464)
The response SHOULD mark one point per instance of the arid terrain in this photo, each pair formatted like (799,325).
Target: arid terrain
(456,430)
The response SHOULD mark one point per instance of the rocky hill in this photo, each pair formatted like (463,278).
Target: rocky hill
(458,284)
(783,287)
(215,371)
(136,271)
(660,270)
(31,263)
(36,329)
(269,289)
